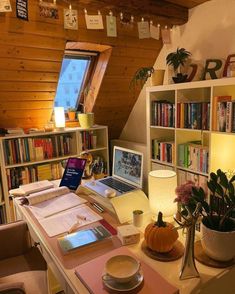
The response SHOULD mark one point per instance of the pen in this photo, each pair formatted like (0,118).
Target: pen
(98,207)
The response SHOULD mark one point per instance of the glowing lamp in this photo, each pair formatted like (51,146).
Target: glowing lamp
(59,117)
(162,184)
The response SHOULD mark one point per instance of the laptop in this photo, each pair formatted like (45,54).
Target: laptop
(127,174)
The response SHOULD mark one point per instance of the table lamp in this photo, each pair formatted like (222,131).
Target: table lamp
(59,117)
(162,184)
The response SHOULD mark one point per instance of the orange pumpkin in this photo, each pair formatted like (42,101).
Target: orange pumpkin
(160,236)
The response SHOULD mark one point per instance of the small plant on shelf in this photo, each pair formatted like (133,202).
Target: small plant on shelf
(141,75)
(177,60)
(71,111)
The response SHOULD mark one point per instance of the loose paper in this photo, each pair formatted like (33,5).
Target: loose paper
(155,32)
(48,10)
(70,19)
(22,9)
(111,23)
(5,6)
(94,22)
(166,36)
(143,29)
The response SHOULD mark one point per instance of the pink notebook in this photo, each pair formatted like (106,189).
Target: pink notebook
(90,274)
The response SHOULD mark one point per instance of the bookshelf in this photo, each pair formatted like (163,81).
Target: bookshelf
(37,156)
(200,129)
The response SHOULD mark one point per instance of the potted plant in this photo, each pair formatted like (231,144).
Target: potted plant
(71,111)
(141,75)
(178,59)
(218,225)
(86,119)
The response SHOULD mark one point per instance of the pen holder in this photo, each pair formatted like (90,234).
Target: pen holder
(138,216)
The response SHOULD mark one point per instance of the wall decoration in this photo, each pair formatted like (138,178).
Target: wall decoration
(154,31)
(48,10)
(22,9)
(70,19)
(5,6)
(94,22)
(111,24)
(166,35)
(126,21)
(143,29)
(212,66)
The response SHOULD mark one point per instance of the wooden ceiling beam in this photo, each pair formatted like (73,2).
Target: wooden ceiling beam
(165,11)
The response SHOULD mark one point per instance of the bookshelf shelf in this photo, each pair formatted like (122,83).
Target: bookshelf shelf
(196,112)
(38,156)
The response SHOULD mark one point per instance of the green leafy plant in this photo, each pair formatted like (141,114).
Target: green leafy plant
(71,109)
(141,75)
(178,58)
(217,214)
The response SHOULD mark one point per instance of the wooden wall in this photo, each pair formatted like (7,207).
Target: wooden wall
(30,60)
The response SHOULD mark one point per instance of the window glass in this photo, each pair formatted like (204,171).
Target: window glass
(71,81)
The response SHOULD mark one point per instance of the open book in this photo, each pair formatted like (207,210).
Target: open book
(35,187)
(51,201)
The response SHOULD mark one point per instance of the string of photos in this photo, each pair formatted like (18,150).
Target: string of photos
(146,29)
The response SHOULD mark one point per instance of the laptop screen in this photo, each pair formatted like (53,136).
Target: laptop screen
(128,166)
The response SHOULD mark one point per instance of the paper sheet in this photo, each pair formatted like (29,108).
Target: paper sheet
(55,205)
(62,222)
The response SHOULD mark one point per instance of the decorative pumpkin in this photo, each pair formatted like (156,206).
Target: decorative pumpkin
(160,236)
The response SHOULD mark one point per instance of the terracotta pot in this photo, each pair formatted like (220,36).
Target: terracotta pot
(71,115)
(218,245)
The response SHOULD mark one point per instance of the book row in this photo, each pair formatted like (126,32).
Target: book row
(88,139)
(198,180)
(25,175)
(193,115)
(35,149)
(163,113)
(163,151)
(224,115)
(193,156)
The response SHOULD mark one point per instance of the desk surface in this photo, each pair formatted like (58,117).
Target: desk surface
(63,266)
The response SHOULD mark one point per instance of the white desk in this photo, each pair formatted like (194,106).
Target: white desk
(214,281)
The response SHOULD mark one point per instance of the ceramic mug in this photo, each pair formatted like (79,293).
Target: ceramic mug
(138,217)
(121,268)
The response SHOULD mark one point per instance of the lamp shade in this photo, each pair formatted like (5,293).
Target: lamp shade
(59,117)
(162,184)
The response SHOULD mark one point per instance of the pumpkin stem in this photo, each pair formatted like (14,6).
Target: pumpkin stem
(160,222)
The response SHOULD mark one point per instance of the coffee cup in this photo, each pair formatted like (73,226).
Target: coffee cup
(121,268)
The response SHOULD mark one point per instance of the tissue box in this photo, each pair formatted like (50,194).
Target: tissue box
(128,234)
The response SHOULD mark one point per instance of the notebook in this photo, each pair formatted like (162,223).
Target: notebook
(127,174)
(90,273)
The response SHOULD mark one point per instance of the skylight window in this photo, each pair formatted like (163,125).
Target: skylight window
(74,75)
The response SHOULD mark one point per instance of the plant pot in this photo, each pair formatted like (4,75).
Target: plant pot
(218,245)
(180,78)
(157,77)
(71,115)
(86,120)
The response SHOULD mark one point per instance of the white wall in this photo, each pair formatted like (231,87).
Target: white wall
(209,33)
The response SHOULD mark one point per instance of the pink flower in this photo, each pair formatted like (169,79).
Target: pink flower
(184,192)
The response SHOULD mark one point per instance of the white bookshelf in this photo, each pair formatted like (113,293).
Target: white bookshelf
(220,144)
(18,152)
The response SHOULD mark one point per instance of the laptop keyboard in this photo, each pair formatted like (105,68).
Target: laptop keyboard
(117,185)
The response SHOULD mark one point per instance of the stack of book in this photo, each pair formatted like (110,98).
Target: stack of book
(163,150)
(193,115)
(88,139)
(223,114)
(194,156)
(163,113)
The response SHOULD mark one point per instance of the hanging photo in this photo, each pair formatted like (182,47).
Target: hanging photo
(48,10)
(5,6)
(166,36)
(111,26)
(70,19)
(94,22)
(22,9)
(143,29)
(154,31)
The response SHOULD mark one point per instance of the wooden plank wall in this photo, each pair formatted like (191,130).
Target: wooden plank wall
(30,60)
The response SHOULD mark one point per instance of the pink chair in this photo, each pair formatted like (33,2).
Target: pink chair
(22,267)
